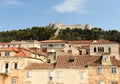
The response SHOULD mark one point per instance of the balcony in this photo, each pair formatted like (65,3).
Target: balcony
(4,72)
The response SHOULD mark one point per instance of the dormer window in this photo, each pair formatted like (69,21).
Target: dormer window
(71,60)
(105,58)
(7,53)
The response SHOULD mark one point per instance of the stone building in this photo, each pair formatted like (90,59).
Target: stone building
(12,64)
(99,47)
(59,26)
(31,66)
(22,44)
(75,70)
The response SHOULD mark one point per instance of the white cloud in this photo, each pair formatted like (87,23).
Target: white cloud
(12,2)
(71,6)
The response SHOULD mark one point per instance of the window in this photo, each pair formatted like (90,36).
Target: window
(62,45)
(48,61)
(109,50)
(102,49)
(98,49)
(113,70)
(6,67)
(50,76)
(99,70)
(82,75)
(100,82)
(14,80)
(28,74)
(94,49)
(50,46)
(15,66)
(56,46)
(60,75)
(87,51)
(7,53)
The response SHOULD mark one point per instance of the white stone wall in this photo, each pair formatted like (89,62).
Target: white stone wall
(114,49)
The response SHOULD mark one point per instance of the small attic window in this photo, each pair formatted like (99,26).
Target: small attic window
(114,57)
(71,60)
(69,46)
(105,58)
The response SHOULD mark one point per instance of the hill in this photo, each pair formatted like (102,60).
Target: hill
(45,33)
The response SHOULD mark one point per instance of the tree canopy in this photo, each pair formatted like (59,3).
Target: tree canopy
(45,33)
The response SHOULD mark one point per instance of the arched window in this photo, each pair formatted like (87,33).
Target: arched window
(94,49)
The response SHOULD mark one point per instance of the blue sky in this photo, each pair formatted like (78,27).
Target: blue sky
(21,14)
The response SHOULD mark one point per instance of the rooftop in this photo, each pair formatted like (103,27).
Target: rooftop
(74,62)
(53,41)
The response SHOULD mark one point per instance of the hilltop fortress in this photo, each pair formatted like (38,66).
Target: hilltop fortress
(61,26)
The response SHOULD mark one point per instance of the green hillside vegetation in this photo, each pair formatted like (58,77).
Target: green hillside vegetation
(94,34)
(45,33)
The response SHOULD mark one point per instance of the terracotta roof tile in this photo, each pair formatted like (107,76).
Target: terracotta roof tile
(79,61)
(22,53)
(40,66)
(36,51)
(103,42)
(115,62)
(74,62)
(80,42)
(14,49)
(53,41)
(82,61)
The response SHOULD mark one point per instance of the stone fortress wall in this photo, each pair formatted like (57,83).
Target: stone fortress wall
(59,26)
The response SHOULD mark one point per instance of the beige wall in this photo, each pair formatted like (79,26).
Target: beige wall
(53,45)
(114,49)
(72,48)
(106,75)
(68,76)
(10,53)
(17,73)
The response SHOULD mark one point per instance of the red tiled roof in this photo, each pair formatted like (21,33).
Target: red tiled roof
(82,61)
(53,41)
(14,49)
(74,62)
(36,51)
(83,47)
(115,62)
(80,42)
(103,42)
(79,61)
(22,53)
(40,66)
